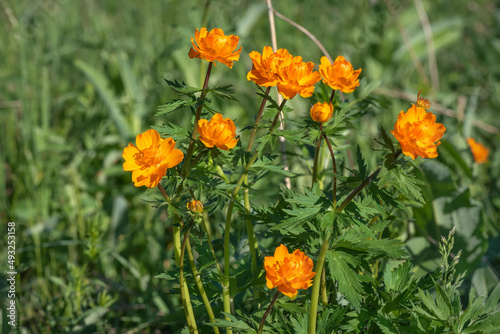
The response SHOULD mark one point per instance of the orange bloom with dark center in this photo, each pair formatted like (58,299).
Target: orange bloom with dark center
(218,132)
(288,272)
(479,151)
(150,159)
(321,112)
(340,74)
(265,66)
(215,46)
(195,206)
(297,77)
(417,132)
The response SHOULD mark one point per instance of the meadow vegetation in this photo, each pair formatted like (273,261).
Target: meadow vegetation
(80,80)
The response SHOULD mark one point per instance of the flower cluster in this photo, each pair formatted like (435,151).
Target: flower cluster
(290,74)
(288,272)
(150,159)
(479,151)
(418,133)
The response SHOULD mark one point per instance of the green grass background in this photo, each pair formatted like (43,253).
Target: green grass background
(80,79)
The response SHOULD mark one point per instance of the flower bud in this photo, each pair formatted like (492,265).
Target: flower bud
(321,112)
(423,102)
(195,206)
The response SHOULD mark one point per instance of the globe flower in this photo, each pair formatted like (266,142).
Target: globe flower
(265,66)
(321,112)
(195,206)
(217,132)
(288,272)
(417,132)
(150,159)
(479,151)
(340,74)
(297,77)
(215,46)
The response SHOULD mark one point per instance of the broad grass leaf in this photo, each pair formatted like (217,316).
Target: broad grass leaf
(102,85)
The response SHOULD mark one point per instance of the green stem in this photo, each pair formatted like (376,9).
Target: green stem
(227,230)
(358,189)
(324,295)
(316,286)
(316,160)
(257,121)
(209,240)
(252,241)
(334,165)
(268,310)
(332,96)
(199,284)
(179,255)
(186,300)
(197,117)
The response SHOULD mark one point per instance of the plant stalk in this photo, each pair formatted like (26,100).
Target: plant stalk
(268,310)
(226,299)
(197,117)
(316,287)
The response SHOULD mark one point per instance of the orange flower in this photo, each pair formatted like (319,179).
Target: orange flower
(417,132)
(265,67)
(215,46)
(217,132)
(297,77)
(479,151)
(321,112)
(340,74)
(195,206)
(288,272)
(150,159)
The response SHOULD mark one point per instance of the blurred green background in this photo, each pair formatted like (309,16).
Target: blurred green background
(80,79)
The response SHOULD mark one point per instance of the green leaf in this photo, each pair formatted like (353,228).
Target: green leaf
(349,283)
(172,130)
(173,106)
(293,136)
(361,164)
(360,238)
(385,325)
(182,89)
(387,140)
(489,325)
(492,300)
(399,278)
(233,323)
(437,312)
(265,163)
(225,92)
(403,181)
